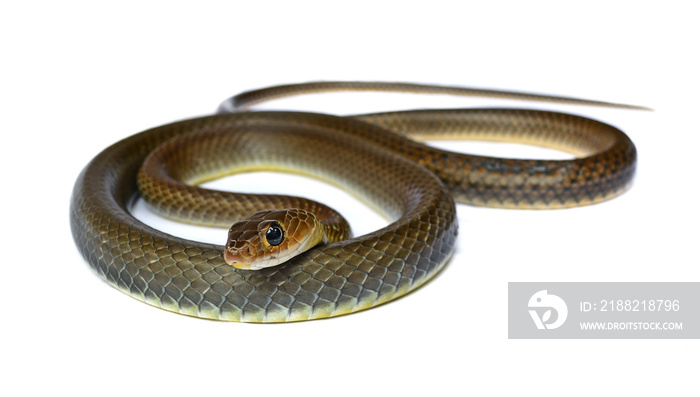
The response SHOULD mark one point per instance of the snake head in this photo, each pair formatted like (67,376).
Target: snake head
(271,237)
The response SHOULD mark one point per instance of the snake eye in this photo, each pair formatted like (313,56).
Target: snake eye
(274,234)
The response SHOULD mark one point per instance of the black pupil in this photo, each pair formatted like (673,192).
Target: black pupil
(274,234)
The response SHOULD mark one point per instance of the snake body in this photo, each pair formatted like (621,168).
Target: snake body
(412,184)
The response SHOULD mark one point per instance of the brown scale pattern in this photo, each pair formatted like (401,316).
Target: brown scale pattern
(604,168)
(191,278)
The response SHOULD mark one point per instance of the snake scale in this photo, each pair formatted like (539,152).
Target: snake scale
(373,156)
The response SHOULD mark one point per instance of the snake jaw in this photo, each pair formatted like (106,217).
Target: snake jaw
(235,260)
(251,245)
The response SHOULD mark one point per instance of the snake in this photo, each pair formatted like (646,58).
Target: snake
(379,158)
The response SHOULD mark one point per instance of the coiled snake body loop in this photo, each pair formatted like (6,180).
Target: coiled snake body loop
(412,184)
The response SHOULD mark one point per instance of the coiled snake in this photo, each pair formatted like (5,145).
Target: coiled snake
(414,185)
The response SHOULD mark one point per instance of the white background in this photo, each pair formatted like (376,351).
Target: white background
(78,76)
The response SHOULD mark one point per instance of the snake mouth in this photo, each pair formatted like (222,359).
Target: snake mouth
(235,260)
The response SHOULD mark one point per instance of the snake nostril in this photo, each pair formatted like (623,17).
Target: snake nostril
(230,258)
